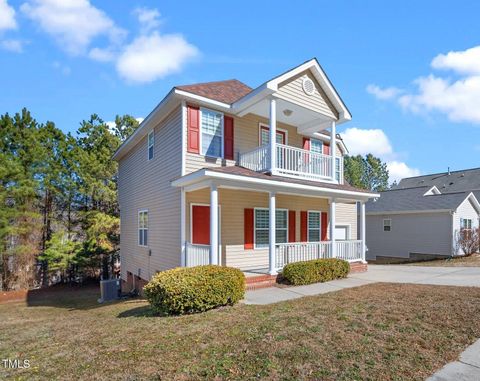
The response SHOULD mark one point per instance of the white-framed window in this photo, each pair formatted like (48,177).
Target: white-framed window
(314,226)
(262,221)
(316,145)
(387,224)
(337,168)
(143,228)
(465,223)
(211,127)
(281,137)
(151,143)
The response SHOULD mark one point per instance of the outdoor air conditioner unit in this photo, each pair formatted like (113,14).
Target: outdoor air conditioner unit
(109,290)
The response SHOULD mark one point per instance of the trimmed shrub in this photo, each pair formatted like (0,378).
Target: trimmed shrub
(318,270)
(186,290)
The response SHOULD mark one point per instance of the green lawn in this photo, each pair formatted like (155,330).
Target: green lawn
(380,331)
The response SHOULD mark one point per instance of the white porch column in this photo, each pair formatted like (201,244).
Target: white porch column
(272,235)
(213,225)
(362,229)
(333,148)
(332,227)
(183,238)
(273,135)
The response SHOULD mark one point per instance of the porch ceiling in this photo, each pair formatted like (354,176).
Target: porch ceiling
(307,121)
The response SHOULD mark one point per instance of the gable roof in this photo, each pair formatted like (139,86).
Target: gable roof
(228,91)
(415,200)
(455,181)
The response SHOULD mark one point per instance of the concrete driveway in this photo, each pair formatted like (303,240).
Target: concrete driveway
(445,276)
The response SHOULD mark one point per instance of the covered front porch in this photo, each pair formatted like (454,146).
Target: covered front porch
(240,221)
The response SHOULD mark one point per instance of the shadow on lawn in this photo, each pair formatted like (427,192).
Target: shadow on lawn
(141,311)
(65,296)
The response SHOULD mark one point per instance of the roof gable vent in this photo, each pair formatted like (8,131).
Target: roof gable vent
(308,86)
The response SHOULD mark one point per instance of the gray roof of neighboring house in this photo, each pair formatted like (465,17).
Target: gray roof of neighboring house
(413,199)
(456,181)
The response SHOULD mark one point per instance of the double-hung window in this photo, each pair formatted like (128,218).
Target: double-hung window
(337,169)
(212,133)
(262,221)
(151,143)
(313,227)
(316,146)
(143,228)
(387,225)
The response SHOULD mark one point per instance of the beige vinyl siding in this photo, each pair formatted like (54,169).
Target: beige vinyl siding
(246,138)
(145,184)
(422,233)
(347,215)
(232,205)
(292,91)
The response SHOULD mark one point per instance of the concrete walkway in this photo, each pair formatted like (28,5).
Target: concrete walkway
(467,368)
(446,276)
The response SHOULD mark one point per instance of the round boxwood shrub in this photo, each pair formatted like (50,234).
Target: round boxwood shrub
(186,290)
(318,270)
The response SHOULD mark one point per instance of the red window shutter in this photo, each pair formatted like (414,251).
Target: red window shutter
(193,129)
(201,225)
(324,225)
(326,149)
(306,144)
(248,229)
(303,226)
(228,137)
(291,226)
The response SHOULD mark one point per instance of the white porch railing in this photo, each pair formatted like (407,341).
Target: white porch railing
(196,255)
(303,163)
(291,161)
(349,250)
(286,253)
(199,255)
(256,160)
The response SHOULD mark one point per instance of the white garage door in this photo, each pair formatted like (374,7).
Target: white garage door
(341,232)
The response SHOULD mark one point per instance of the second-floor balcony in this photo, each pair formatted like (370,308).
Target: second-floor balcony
(294,162)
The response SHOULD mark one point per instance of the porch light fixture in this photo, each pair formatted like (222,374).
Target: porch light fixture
(287,112)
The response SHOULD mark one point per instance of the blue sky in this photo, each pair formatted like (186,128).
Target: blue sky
(409,72)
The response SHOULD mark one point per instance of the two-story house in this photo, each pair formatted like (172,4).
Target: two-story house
(220,173)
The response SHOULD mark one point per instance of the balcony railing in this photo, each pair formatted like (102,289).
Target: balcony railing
(286,253)
(293,162)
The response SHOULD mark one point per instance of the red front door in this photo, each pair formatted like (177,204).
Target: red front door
(200,225)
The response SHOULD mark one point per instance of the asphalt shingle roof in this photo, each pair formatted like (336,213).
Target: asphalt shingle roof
(228,91)
(457,181)
(413,199)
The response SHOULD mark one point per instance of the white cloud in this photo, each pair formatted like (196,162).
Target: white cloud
(151,57)
(361,142)
(12,45)
(455,97)
(64,69)
(147,18)
(101,55)
(375,141)
(7,16)
(398,170)
(464,61)
(74,24)
(385,93)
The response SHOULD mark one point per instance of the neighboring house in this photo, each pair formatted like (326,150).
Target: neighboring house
(217,168)
(419,223)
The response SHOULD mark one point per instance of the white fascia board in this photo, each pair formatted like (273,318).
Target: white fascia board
(321,77)
(204,100)
(145,125)
(241,106)
(388,213)
(207,174)
(470,197)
